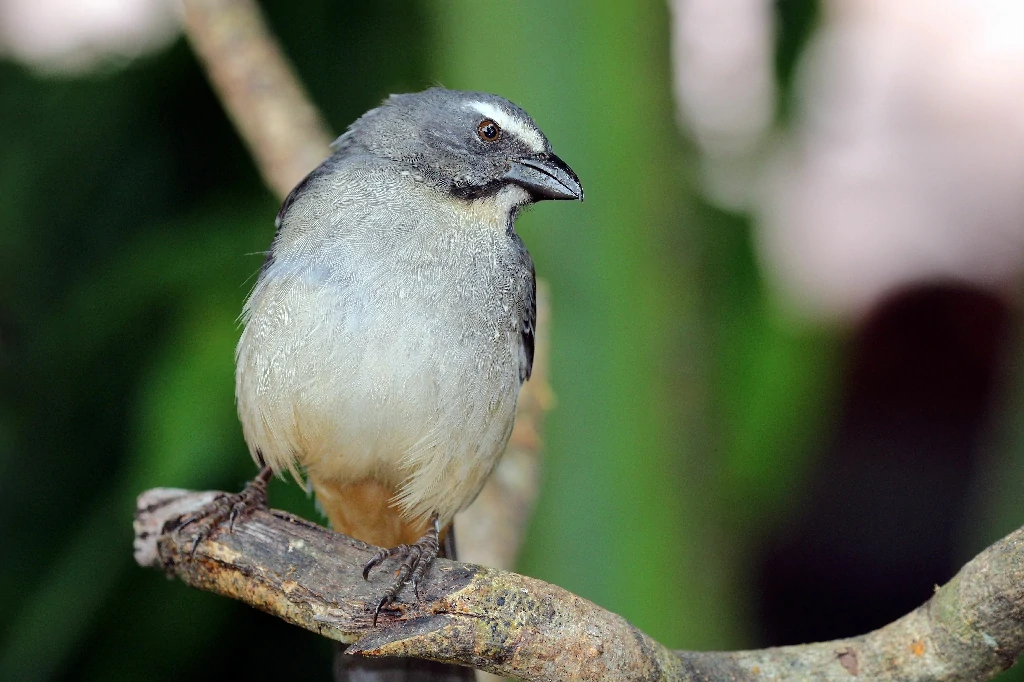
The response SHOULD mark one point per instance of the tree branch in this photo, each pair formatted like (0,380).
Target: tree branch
(259,90)
(509,624)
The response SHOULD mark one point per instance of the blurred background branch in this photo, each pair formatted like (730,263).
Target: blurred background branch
(259,89)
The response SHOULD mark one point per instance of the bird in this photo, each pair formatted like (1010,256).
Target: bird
(392,324)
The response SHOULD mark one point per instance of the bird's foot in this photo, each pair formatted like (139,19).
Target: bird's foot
(226,507)
(416,559)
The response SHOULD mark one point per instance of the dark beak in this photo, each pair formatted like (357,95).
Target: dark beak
(545,176)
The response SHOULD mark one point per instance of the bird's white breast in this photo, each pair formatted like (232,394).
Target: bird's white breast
(382,341)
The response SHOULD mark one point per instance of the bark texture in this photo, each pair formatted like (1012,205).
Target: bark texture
(509,624)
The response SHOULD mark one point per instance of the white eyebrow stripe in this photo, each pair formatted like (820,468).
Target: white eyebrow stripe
(513,125)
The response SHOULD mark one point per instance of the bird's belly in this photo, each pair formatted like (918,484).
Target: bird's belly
(388,389)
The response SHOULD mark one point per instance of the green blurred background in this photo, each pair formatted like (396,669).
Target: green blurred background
(699,475)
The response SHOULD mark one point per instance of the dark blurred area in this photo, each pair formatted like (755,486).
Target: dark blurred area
(885,511)
(785,329)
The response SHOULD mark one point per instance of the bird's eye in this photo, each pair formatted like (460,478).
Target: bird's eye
(488,130)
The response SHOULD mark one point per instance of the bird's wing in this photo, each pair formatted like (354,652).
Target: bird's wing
(527,327)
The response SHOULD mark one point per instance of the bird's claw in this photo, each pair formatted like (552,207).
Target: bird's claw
(222,508)
(381,556)
(417,558)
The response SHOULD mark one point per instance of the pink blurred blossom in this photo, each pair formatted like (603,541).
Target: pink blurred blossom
(76,35)
(724,87)
(907,162)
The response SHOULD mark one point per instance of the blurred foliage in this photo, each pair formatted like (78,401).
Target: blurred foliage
(688,409)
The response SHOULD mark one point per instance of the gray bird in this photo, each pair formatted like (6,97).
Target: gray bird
(392,325)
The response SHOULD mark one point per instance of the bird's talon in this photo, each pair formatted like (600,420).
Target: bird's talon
(223,507)
(415,562)
(237,509)
(386,599)
(374,561)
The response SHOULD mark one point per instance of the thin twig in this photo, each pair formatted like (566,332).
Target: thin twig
(259,89)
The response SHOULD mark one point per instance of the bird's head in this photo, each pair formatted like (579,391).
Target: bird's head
(471,145)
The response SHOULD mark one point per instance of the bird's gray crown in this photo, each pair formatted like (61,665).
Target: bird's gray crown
(469,144)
